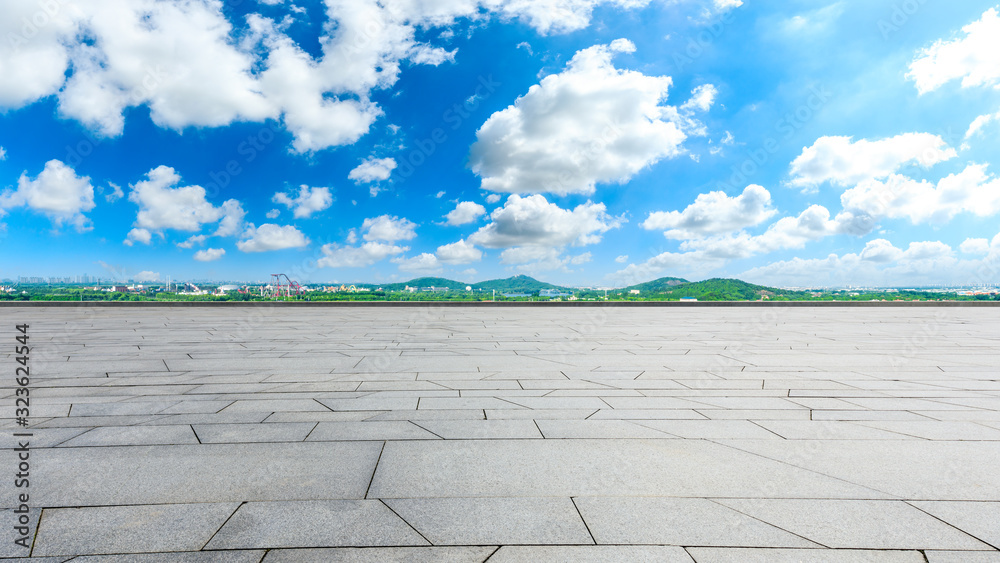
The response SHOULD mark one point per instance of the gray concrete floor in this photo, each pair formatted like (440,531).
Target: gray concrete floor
(508,434)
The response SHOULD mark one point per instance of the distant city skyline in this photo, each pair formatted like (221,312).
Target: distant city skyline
(583,142)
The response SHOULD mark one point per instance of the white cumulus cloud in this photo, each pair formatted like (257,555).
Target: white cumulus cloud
(373,170)
(590,123)
(209,254)
(336,256)
(271,237)
(461,252)
(388,228)
(714,213)
(164,205)
(308,201)
(974,58)
(424,263)
(844,162)
(464,213)
(533,221)
(57,192)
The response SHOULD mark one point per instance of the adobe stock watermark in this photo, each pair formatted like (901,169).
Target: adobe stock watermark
(151,81)
(452,119)
(901,14)
(249,149)
(48,11)
(697,45)
(784,130)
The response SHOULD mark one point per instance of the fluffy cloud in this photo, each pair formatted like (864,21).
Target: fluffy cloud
(844,162)
(388,229)
(714,213)
(146,276)
(465,212)
(57,192)
(373,170)
(591,123)
(164,206)
(3,154)
(336,256)
(185,61)
(308,201)
(460,252)
(271,237)
(975,58)
(142,236)
(977,246)
(533,221)
(979,123)
(879,263)
(702,98)
(425,263)
(541,259)
(191,241)
(970,191)
(209,254)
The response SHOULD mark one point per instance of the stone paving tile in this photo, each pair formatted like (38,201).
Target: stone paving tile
(978,519)
(695,429)
(591,554)
(860,524)
(370,430)
(133,436)
(969,468)
(750,555)
(481,429)
(129,529)
(242,556)
(485,521)
(240,433)
(320,523)
(962,556)
(678,521)
(225,472)
(381,554)
(462,468)
(575,429)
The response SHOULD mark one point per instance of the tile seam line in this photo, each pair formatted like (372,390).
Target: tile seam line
(770,524)
(223,525)
(892,496)
(970,534)
(375,469)
(407,522)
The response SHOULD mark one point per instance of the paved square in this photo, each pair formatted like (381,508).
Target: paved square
(466,434)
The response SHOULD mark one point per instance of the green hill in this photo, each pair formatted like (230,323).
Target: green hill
(518,284)
(658,285)
(425,282)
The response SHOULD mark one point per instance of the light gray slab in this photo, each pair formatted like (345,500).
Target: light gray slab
(710,429)
(963,556)
(119,409)
(320,523)
(978,519)
(615,429)
(235,556)
(485,521)
(276,405)
(909,469)
(752,555)
(481,429)
(938,430)
(369,430)
(591,554)
(129,529)
(226,472)
(265,432)
(461,468)
(133,436)
(381,554)
(677,521)
(857,524)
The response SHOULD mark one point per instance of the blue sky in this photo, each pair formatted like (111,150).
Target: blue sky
(585,142)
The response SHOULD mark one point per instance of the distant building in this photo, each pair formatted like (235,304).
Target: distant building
(634,292)
(688,299)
